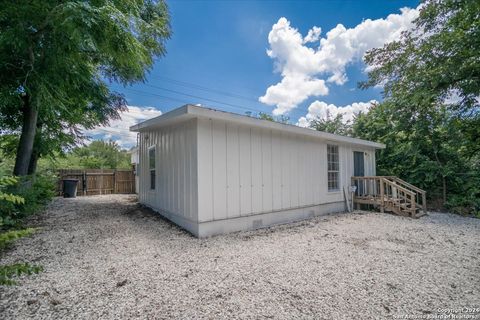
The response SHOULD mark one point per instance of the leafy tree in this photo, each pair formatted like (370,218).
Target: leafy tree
(435,64)
(265,116)
(429,118)
(331,124)
(424,152)
(101,155)
(56,58)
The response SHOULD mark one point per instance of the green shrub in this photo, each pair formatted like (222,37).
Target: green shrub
(18,199)
(8,200)
(24,197)
(10,236)
(10,271)
(8,197)
(468,204)
(37,192)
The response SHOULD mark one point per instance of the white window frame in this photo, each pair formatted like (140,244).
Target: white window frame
(152,183)
(332,169)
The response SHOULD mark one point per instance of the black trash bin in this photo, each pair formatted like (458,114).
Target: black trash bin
(70,188)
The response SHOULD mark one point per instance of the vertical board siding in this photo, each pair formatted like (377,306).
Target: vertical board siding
(309,174)
(176,166)
(276,171)
(219,144)
(295,168)
(302,180)
(321,156)
(245,170)
(168,173)
(206,170)
(191,165)
(267,167)
(180,167)
(176,155)
(256,173)
(233,172)
(286,170)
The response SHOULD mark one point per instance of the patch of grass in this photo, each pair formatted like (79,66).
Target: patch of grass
(8,272)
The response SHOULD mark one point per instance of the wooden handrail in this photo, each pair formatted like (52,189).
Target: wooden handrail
(422,192)
(403,189)
(409,196)
(409,185)
(387,188)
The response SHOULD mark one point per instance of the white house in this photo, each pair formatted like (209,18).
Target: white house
(214,172)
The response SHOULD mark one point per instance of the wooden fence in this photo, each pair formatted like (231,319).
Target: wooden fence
(98,181)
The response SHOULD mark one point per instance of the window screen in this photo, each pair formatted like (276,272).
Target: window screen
(151,166)
(333,168)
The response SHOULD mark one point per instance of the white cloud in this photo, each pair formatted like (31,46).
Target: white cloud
(118,130)
(313,35)
(323,110)
(340,47)
(291,91)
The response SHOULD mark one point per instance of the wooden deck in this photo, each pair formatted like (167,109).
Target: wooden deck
(389,193)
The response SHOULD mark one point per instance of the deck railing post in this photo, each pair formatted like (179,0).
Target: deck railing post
(382,198)
(424,202)
(353,194)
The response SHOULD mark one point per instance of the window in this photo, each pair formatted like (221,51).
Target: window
(151,166)
(333,167)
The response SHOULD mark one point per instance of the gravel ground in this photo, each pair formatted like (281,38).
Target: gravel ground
(106,258)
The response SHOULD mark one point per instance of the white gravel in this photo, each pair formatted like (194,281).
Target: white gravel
(104,258)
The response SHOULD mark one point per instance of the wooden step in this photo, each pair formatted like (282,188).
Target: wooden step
(420,214)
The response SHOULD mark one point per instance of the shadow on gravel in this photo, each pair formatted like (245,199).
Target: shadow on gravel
(141,214)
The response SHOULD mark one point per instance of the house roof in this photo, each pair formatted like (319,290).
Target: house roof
(191,111)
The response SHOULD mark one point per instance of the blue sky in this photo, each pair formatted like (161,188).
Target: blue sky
(222,46)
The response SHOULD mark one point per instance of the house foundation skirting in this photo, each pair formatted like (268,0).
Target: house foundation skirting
(251,222)
(263,220)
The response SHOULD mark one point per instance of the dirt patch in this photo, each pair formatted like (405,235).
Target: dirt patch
(105,257)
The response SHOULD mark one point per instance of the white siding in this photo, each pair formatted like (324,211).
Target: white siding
(176,170)
(266,170)
(210,170)
(233,172)
(276,171)
(206,175)
(245,170)
(256,165)
(218,194)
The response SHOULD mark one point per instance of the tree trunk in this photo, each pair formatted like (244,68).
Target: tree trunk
(32,166)
(36,151)
(27,138)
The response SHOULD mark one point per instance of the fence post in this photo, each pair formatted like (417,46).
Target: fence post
(118,181)
(134,180)
(114,181)
(60,184)
(84,182)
